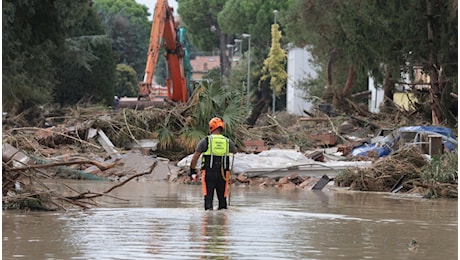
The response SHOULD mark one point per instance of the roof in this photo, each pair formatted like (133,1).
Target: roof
(203,64)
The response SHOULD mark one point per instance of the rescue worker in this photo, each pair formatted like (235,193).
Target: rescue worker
(215,164)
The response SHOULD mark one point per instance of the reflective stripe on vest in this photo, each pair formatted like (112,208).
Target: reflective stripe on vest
(218,145)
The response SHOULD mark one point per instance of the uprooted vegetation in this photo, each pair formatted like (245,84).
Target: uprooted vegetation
(61,147)
(406,170)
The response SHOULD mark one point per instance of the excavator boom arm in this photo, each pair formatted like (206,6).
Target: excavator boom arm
(164,27)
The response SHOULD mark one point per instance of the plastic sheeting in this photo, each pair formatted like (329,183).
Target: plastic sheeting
(385,146)
(270,159)
(278,159)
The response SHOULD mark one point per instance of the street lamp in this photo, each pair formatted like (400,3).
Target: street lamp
(275,12)
(230,54)
(245,35)
(240,42)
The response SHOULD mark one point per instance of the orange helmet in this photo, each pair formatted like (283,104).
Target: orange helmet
(215,123)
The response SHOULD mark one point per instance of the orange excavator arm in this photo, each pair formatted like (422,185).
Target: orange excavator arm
(164,27)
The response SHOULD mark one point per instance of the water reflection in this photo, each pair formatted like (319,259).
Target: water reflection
(166,221)
(214,232)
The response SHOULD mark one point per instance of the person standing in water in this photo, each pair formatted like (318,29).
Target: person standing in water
(215,164)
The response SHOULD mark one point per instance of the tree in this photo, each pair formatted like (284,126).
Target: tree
(85,68)
(379,38)
(227,20)
(126,83)
(199,18)
(275,64)
(211,100)
(36,37)
(127,25)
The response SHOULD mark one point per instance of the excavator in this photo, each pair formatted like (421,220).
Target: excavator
(165,32)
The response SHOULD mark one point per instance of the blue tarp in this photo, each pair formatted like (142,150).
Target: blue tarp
(385,146)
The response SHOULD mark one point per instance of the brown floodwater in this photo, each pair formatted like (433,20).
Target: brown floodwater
(167,221)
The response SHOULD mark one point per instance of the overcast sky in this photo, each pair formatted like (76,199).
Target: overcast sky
(151,5)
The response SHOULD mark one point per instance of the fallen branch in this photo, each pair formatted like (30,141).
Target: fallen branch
(58,133)
(37,166)
(132,177)
(92,195)
(127,126)
(335,131)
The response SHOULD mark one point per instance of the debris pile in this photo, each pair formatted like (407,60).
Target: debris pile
(401,171)
(384,173)
(126,146)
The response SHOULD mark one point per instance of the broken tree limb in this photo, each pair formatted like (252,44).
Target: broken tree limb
(372,124)
(361,94)
(335,130)
(91,195)
(132,177)
(54,132)
(38,166)
(314,119)
(281,128)
(129,129)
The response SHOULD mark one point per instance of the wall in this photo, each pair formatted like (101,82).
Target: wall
(299,68)
(377,95)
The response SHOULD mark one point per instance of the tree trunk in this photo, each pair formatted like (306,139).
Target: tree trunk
(388,88)
(436,88)
(264,100)
(224,58)
(351,75)
(332,57)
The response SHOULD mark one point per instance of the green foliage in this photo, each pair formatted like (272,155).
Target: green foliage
(126,83)
(275,64)
(86,68)
(199,18)
(374,37)
(126,24)
(166,138)
(254,17)
(443,169)
(137,12)
(210,100)
(28,74)
(39,40)
(189,138)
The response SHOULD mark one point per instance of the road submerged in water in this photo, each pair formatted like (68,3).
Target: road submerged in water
(167,221)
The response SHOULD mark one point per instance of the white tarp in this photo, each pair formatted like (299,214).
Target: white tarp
(274,159)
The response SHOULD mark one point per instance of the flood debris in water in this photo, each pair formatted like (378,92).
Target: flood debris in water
(280,151)
(400,172)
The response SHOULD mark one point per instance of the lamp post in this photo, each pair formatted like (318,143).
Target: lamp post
(245,35)
(230,53)
(240,43)
(275,12)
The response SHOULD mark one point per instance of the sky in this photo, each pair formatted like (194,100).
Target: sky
(151,5)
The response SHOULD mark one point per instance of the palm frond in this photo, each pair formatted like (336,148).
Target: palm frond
(190,137)
(165,138)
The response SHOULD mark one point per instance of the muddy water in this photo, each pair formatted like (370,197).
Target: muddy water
(166,221)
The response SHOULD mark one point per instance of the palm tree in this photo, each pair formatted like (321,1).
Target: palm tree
(210,100)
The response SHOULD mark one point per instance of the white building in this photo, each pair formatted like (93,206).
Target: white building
(377,95)
(299,68)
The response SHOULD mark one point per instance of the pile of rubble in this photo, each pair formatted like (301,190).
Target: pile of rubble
(305,154)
